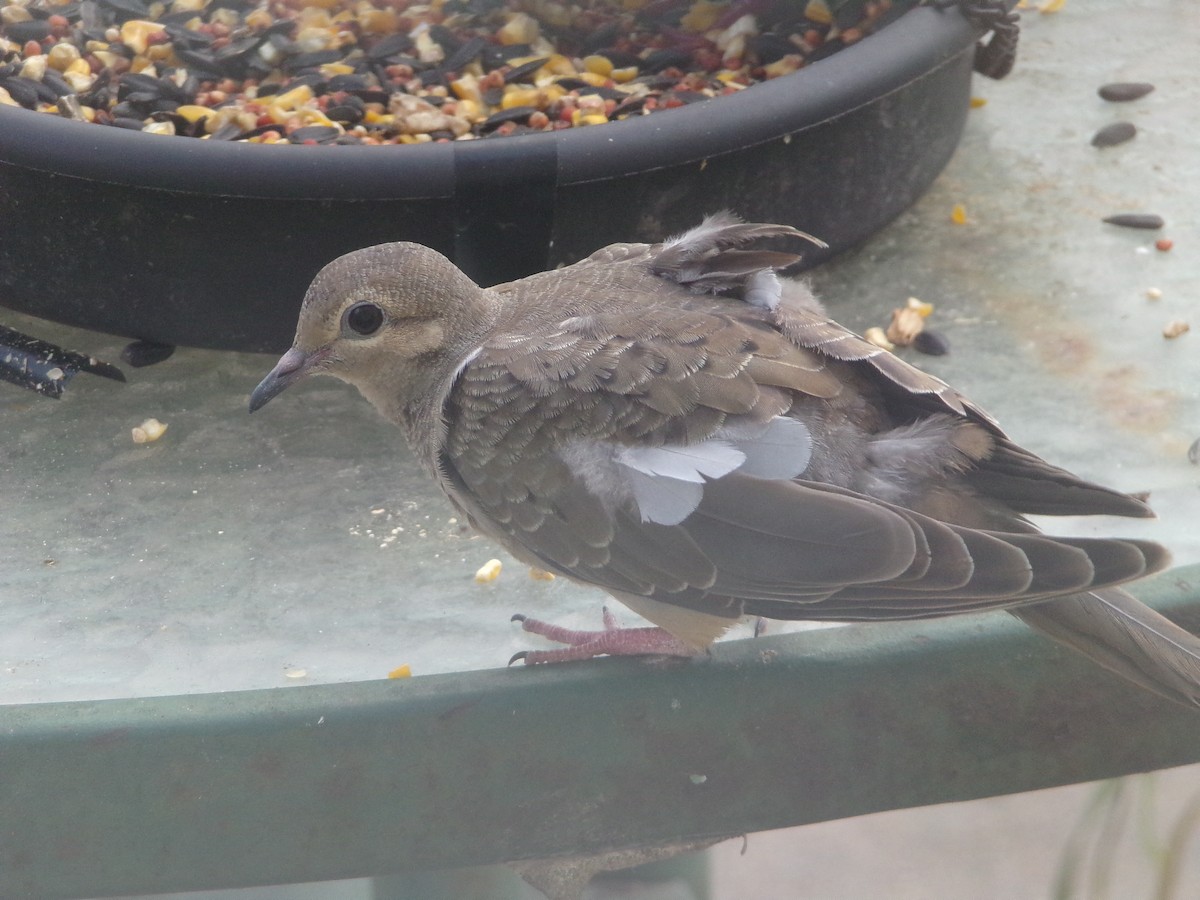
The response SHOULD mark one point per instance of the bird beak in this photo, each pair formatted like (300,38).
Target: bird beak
(292,366)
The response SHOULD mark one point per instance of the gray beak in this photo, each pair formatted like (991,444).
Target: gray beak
(292,366)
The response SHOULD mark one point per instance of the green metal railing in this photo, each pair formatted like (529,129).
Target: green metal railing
(450,771)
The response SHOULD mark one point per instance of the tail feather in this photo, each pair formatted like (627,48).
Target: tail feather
(1125,636)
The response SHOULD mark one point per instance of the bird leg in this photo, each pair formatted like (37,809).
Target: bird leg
(612,641)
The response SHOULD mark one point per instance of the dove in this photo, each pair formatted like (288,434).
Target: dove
(683,426)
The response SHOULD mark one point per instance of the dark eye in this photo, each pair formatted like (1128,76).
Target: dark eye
(364,318)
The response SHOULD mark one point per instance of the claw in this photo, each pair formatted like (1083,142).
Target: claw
(44,367)
(518,656)
(517,617)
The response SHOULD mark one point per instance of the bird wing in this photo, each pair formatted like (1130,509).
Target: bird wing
(663,453)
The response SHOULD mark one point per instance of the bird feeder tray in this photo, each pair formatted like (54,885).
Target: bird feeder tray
(212,244)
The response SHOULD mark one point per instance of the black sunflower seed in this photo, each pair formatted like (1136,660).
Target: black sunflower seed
(35,30)
(666,58)
(523,73)
(146,353)
(1116,133)
(931,343)
(1124,91)
(513,114)
(321,134)
(1136,220)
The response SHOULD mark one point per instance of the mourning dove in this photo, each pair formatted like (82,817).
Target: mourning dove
(681,426)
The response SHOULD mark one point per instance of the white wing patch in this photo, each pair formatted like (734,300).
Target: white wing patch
(782,450)
(667,482)
(764,289)
(689,462)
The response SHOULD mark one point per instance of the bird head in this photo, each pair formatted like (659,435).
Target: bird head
(393,320)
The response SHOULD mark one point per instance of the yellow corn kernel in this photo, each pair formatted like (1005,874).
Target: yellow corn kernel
(61,56)
(557,64)
(519,29)
(550,93)
(192,112)
(818,11)
(519,96)
(593,79)
(258,19)
(295,98)
(958,215)
(598,65)
(135,32)
(702,16)
(923,309)
(378,21)
(582,117)
(404,671)
(488,572)
(621,76)
(331,69)
(467,88)
(469,110)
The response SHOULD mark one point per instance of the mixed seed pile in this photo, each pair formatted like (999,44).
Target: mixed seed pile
(402,71)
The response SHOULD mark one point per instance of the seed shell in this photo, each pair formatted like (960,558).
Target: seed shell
(1116,133)
(1124,91)
(1136,220)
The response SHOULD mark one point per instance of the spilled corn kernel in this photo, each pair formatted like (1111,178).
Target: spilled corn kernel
(488,572)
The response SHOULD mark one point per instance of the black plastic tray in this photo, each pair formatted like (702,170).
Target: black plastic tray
(212,244)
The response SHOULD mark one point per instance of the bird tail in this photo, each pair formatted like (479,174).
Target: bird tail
(1125,636)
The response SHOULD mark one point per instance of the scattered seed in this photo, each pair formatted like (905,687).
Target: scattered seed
(1124,91)
(404,671)
(878,337)
(1116,133)
(1175,328)
(923,309)
(931,343)
(341,71)
(906,324)
(958,215)
(1164,244)
(977,102)
(488,572)
(1154,293)
(296,673)
(540,574)
(146,353)
(1193,453)
(149,431)
(1136,220)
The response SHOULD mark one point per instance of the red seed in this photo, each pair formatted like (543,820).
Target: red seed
(1164,244)
(31,48)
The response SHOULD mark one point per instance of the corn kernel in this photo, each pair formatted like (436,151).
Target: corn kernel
(193,113)
(295,98)
(818,11)
(519,96)
(519,29)
(702,16)
(923,309)
(135,32)
(488,572)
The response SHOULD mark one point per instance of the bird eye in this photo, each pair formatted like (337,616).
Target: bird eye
(364,318)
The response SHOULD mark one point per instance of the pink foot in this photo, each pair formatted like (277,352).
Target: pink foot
(613,641)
